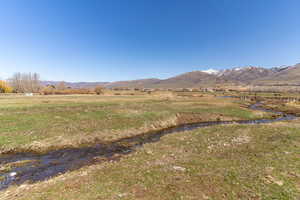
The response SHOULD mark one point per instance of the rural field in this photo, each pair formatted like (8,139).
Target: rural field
(42,123)
(150,100)
(127,160)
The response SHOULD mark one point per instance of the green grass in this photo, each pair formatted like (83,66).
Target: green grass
(27,120)
(260,94)
(222,162)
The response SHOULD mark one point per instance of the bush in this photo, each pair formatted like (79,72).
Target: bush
(51,90)
(98,90)
(4,87)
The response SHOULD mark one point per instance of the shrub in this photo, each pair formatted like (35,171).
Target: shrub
(98,90)
(4,87)
(51,90)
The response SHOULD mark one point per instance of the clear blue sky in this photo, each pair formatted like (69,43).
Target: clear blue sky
(109,40)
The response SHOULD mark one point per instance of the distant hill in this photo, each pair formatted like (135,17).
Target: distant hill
(76,85)
(141,83)
(186,80)
(189,79)
(245,75)
(286,75)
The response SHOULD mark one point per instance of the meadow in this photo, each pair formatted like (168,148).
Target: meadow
(41,123)
(220,162)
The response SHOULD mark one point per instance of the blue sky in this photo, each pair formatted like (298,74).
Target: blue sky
(109,40)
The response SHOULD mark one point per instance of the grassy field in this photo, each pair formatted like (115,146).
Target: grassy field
(46,122)
(261,94)
(221,162)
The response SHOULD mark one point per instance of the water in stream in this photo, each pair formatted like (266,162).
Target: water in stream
(40,167)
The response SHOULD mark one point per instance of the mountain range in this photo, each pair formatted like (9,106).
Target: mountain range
(249,75)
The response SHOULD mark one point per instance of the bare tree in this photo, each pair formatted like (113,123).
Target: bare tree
(25,82)
(15,82)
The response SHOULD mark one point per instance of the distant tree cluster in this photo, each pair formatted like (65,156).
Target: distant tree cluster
(4,87)
(62,89)
(52,91)
(25,83)
(30,83)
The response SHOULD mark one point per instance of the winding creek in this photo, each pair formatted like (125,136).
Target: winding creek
(27,167)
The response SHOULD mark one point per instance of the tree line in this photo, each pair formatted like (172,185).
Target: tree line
(30,83)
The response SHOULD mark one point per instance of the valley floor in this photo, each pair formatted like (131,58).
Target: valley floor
(220,162)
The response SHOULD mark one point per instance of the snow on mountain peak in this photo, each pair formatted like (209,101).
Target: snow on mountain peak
(237,68)
(211,71)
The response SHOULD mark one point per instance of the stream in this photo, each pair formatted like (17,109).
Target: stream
(16,169)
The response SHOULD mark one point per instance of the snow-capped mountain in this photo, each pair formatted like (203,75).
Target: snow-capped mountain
(244,74)
(283,75)
(211,71)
